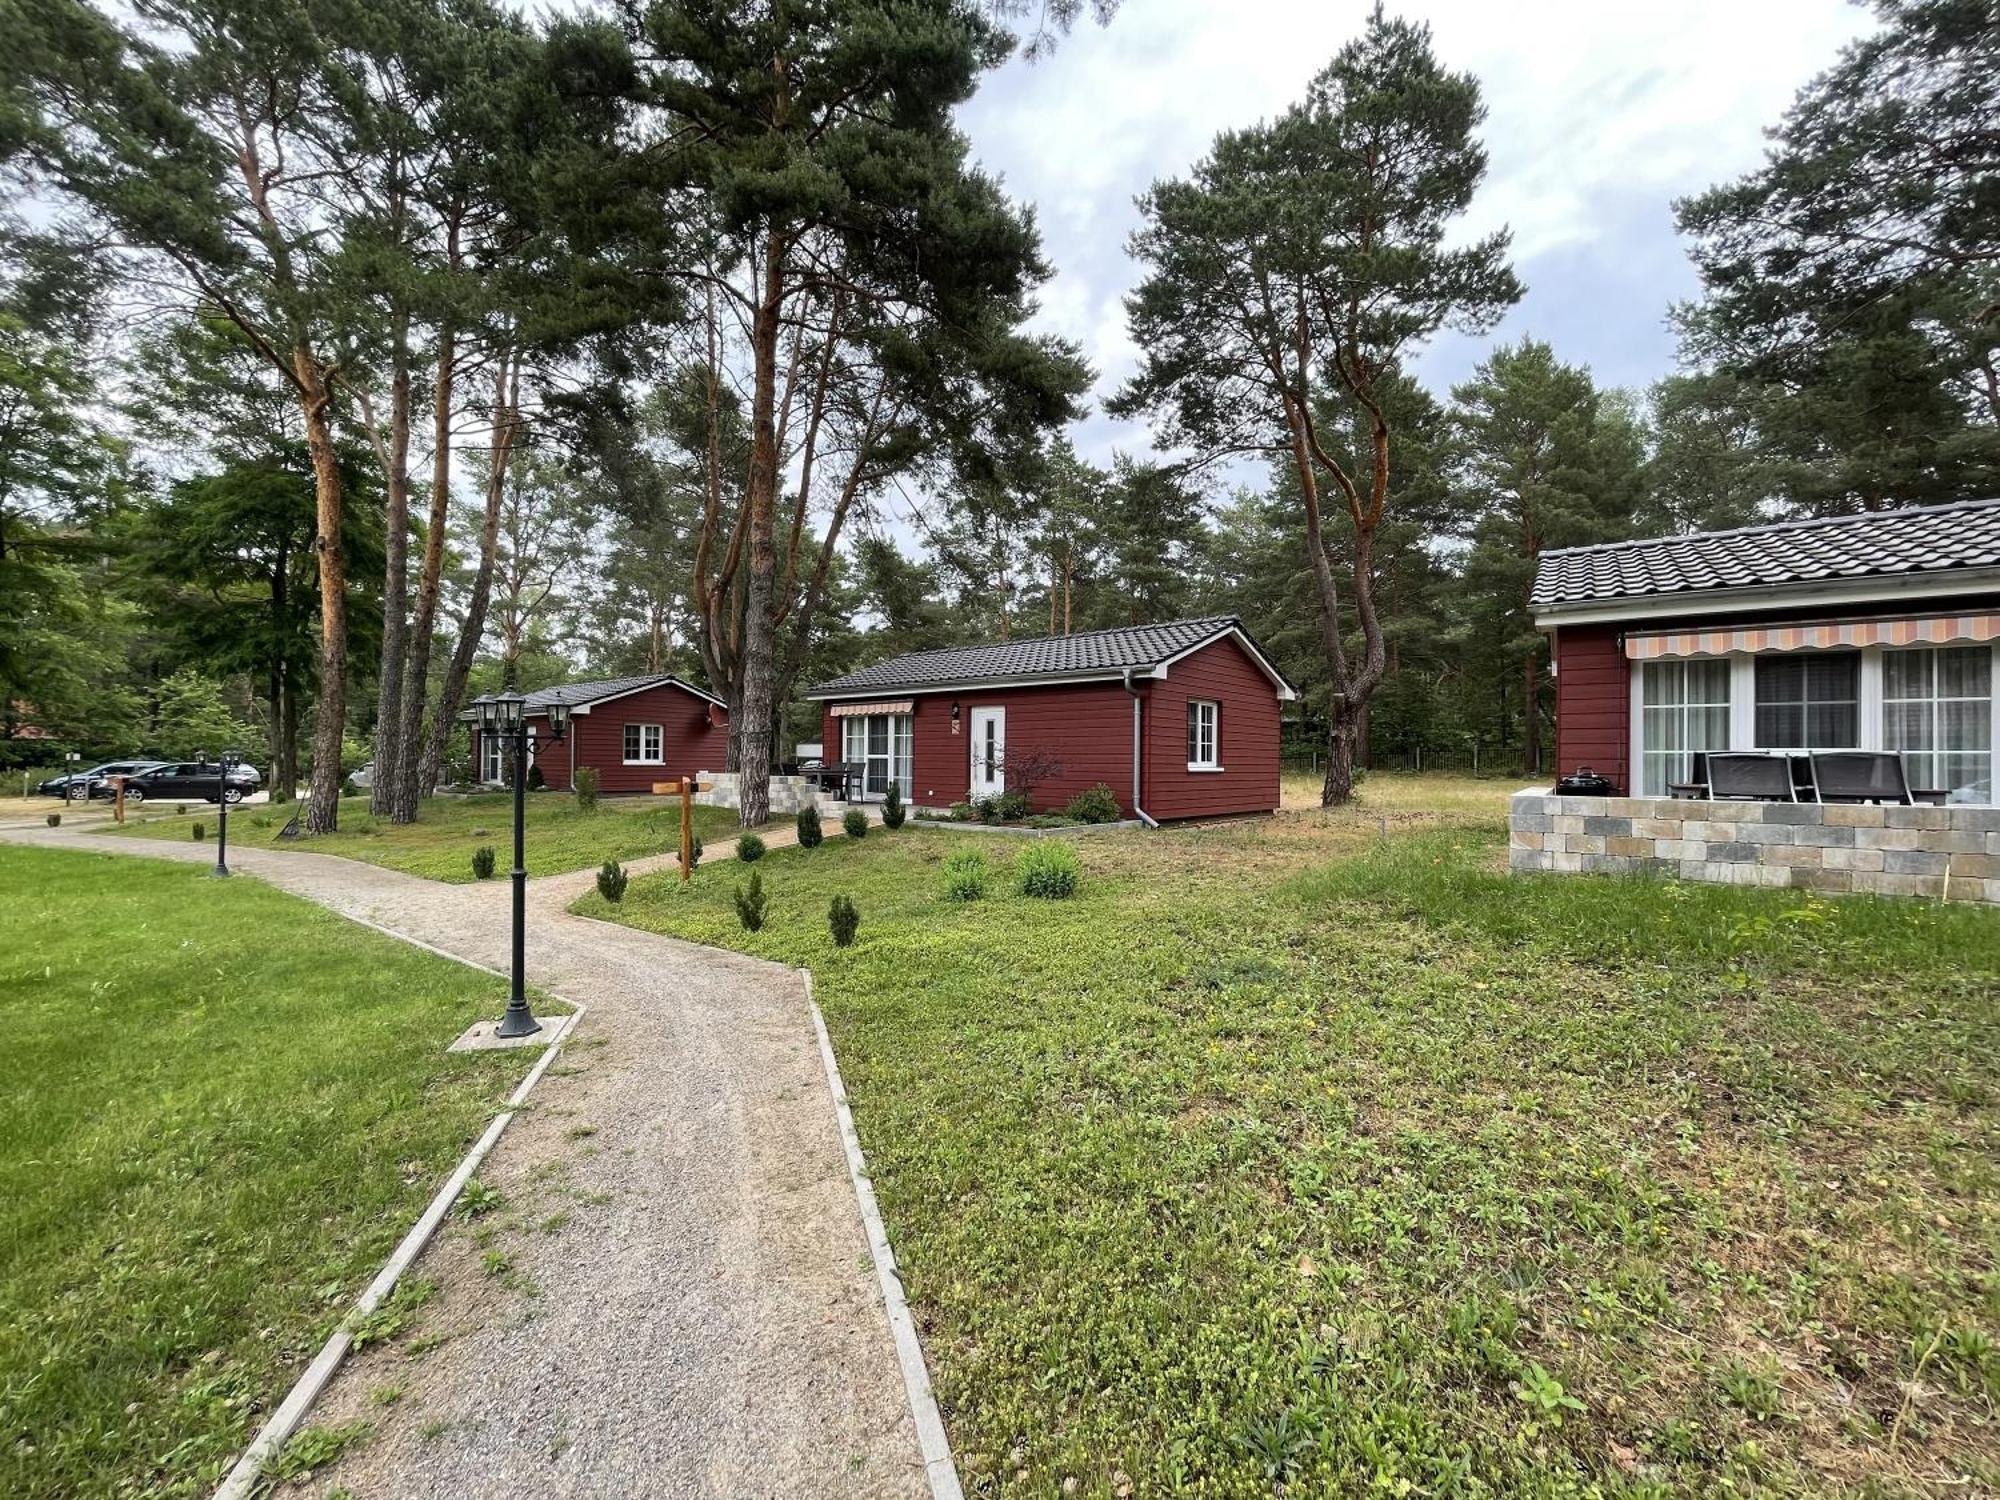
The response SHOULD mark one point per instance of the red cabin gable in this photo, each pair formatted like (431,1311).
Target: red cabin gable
(632,731)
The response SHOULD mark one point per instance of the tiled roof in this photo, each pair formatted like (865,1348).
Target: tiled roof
(1087,653)
(577,694)
(1922,539)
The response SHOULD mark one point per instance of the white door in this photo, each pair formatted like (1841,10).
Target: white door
(989,751)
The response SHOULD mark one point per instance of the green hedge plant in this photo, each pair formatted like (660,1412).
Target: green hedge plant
(843,921)
(482,862)
(1047,869)
(893,811)
(750,903)
(809,830)
(749,848)
(964,875)
(1097,804)
(586,788)
(612,880)
(854,822)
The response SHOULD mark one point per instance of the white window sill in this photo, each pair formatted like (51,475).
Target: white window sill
(1216,770)
(642,762)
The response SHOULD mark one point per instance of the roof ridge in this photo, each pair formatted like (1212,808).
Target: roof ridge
(1765,528)
(1074,635)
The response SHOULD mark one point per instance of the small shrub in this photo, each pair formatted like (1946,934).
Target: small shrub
(200,832)
(55,820)
(1097,804)
(893,811)
(694,850)
(181,808)
(984,809)
(750,903)
(961,812)
(964,875)
(612,880)
(843,921)
(1052,820)
(1010,807)
(809,833)
(586,788)
(482,862)
(1047,868)
(536,780)
(854,823)
(749,848)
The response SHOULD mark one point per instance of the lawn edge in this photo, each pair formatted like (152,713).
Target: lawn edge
(244,1476)
(932,1442)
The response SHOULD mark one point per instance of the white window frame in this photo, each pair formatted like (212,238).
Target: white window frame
(1936,702)
(492,758)
(1743,709)
(1681,709)
(1213,760)
(658,735)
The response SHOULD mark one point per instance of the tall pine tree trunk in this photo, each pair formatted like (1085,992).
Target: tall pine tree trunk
(409,785)
(330,721)
(755,753)
(389,736)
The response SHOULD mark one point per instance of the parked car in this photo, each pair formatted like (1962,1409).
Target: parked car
(85,783)
(191,780)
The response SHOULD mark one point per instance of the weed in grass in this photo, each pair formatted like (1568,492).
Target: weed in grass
(421,1345)
(387,1395)
(313,1448)
(496,1262)
(1048,869)
(434,1428)
(1276,1445)
(579,1132)
(555,1223)
(479,1198)
(964,875)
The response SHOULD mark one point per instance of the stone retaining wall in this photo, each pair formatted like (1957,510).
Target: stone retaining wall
(788,793)
(1890,851)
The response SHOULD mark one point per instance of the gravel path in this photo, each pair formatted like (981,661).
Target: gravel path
(675,1296)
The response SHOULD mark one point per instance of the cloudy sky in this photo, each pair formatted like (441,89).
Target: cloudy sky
(1600,115)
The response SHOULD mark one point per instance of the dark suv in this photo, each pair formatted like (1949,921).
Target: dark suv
(87,783)
(191,779)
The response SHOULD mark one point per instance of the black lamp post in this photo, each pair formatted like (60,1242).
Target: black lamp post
(506,715)
(70,760)
(230,759)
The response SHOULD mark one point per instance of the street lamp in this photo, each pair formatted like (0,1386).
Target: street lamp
(505,715)
(231,759)
(70,759)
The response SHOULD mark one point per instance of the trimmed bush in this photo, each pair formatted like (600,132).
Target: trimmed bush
(536,780)
(200,832)
(843,921)
(961,812)
(1009,807)
(809,834)
(482,862)
(749,848)
(750,903)
(893,811)
(586,788)
(611,881)
(854,823)
(964,875)
(1097,804)
(1047,868)
(55,820)
(694,850)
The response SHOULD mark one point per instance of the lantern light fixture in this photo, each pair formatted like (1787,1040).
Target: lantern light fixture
(558,721)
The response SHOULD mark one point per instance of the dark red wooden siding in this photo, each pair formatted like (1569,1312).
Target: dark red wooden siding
(695,737)
(1593,702)
(1247,729)
(1089,727)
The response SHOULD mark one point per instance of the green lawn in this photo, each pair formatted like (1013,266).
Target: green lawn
(440,844)
(1297,1153)
(223,1107)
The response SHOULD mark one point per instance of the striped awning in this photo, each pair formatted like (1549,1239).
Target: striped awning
(858,710)
(1935,631)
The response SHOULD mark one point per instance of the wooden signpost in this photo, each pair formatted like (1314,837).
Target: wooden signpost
(687,787)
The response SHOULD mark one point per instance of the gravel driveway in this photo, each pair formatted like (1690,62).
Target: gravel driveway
(674,1297)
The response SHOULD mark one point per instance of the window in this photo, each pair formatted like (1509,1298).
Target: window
(1809,700)
(1204,743)
(1685,708)
(880,744)
(1937,708)
(490,770)
(643,744)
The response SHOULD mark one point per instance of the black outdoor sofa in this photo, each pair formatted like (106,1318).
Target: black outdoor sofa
(1820,776)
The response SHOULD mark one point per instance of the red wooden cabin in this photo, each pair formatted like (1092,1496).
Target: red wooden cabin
(633,731)
(1180,720)
(1866,632)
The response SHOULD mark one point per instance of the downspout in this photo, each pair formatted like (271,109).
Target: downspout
(1144,817)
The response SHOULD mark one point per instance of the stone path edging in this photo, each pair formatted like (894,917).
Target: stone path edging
(242,1479)
(939,1468)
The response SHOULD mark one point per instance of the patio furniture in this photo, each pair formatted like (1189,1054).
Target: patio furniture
(834,777)
(1861,776)
(1750,776)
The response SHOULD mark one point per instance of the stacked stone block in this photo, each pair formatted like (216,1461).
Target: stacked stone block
(1890,851)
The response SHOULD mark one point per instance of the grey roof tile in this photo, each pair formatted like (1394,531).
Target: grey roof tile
(576,694)
(1920,539)
(1055,656)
